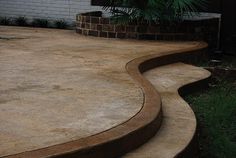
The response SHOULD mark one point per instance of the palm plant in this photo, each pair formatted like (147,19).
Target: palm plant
(149,11)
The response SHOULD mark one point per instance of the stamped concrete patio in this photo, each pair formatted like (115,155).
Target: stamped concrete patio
(57,86)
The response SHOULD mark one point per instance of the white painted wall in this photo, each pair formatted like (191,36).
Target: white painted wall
(47,9)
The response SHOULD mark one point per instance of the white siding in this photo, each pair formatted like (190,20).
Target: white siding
(47,9)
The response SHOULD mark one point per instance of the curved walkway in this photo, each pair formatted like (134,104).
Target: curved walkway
(179,124)
(62,93)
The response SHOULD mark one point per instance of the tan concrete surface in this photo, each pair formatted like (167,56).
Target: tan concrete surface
(179,123)
(57,86)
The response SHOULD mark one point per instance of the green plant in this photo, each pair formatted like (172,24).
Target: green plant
(5,21)
(60,24)
(216,113)
(149,11)
(40,23)
(21,21)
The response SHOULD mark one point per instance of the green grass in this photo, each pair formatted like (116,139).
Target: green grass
(215,110)
(227,61)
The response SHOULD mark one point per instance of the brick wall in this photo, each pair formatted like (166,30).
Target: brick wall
(47,9)
(202,27)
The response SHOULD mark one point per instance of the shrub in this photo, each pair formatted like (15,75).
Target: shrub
(40,23)
(60,24)
(21,21)
(5,21)
(149,11)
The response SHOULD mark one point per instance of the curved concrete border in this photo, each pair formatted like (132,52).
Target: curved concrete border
(172,140)
(123,138)
(191,148)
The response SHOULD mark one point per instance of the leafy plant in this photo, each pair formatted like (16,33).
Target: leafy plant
(216,113)
(61,24)
(40,23)
(149,11)
(5,21)
(21,21)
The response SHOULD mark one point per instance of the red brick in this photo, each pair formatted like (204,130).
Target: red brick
(99,27)
(111,35)
(93,26)
(108,28)
(105,21)
(120,35)
(119,28)
(103,34)
(95,20)
(87,25)
(130,28)
(87,19)
(93,33)
(79,30)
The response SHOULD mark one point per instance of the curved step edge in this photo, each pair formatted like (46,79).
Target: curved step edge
(191,148)
(175,137)
(152,61)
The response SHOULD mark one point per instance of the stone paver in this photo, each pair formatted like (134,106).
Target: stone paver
(179,123)
(57,86)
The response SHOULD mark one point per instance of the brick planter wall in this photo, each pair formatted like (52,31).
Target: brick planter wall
(93,24)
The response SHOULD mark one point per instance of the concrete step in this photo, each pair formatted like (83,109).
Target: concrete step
(179,123)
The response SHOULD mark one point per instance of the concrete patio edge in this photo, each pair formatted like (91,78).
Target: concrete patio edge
(123,138)
(191,149)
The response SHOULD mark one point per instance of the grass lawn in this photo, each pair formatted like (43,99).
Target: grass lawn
(215,110)
(227,61)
